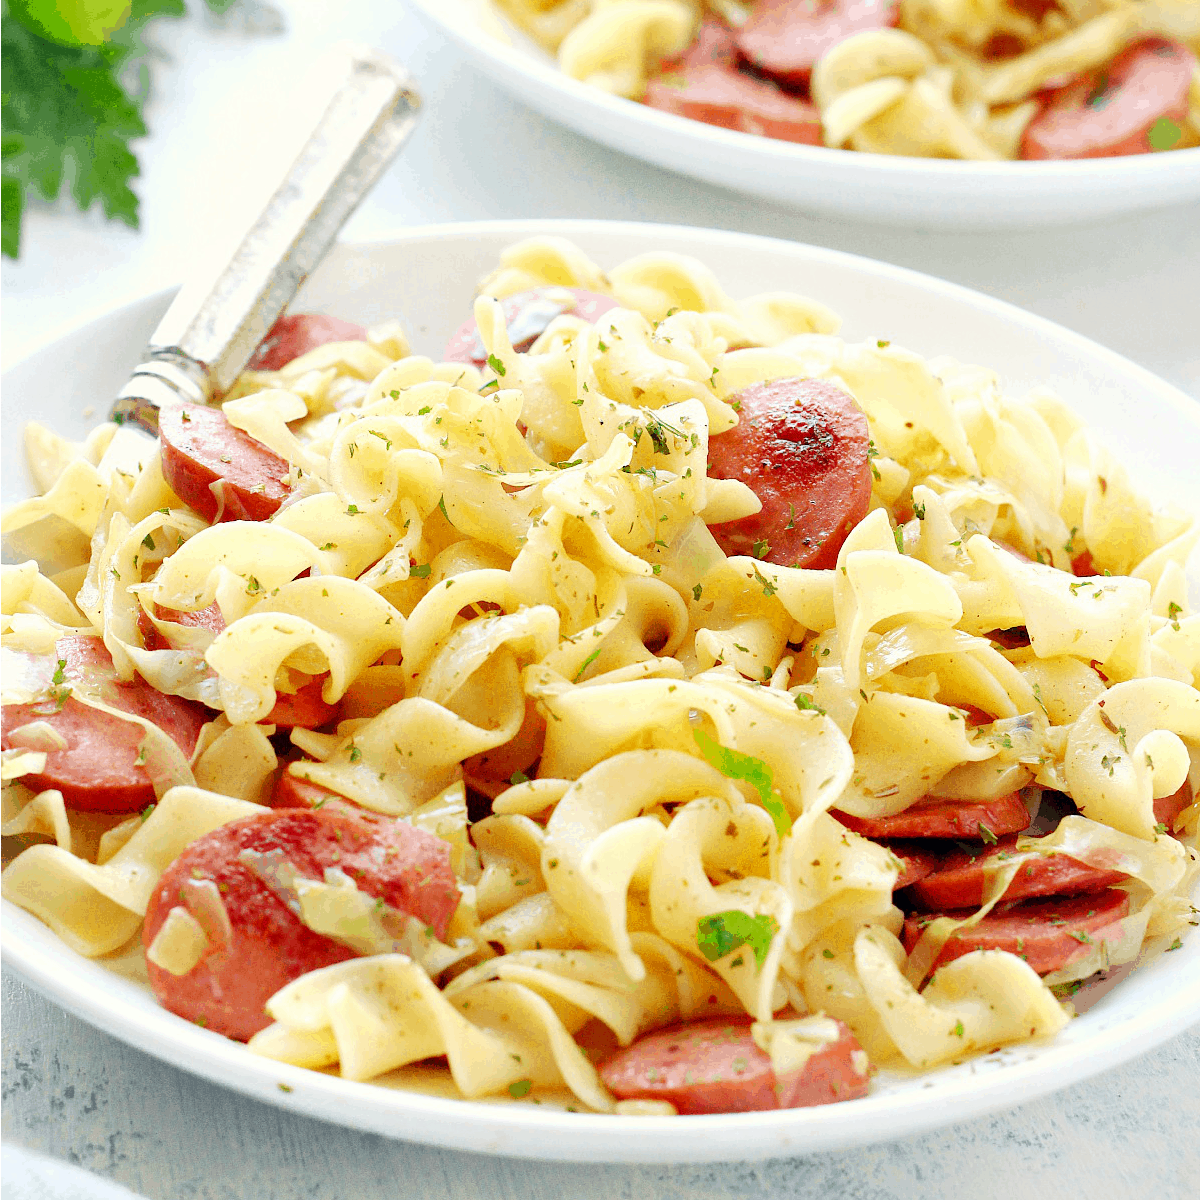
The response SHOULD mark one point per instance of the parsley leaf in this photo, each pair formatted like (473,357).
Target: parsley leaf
(496,365)
(722,933)
(68,112)
(735,765)
(587,662)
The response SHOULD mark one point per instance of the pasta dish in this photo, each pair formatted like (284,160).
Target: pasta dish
(660,705)
(983,80)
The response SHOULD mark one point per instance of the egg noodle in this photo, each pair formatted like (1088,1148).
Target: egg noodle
(508,582)
(937,85)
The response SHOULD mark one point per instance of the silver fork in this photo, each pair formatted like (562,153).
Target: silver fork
(215,322)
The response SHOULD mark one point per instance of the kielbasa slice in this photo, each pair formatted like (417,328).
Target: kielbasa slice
(784,38)
(292,336)
(304,708)
(719,95)
(1167,809)
(526,316)
(946,819)
(959,881)
(1136,105)
(717,1067)
(1047,934)
(102,768)
(715,42)
(293,792)
(201,448)
(802,447)
(260,944)
(917,861)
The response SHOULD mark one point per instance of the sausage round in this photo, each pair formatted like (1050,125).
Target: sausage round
(714,42)
(1136,105)
(292,336)
(802,447)
(917,861)
(717,1067)
(945,819)
(200,447)
(718,95)
(100,771)
(784,38)
(293,792)
(959,881)
(263,945)
(1047,934)
(304,708)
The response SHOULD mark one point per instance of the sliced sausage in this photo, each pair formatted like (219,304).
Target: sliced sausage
(917,860)
(946,819)
(1047,934)
(717,1067)
(201,448)
(1167,809)
(1136,105)
(202,618)
(526,316)
(784,38)
(719,95)
(802,446)
(101,769)
(292,336)
(959,882)
(304,708)
(293,792)
(714,42)
(260,944)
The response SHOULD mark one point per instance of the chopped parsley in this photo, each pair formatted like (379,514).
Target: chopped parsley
(520,1088)
(587,662)
(722,933)
(735,765)
(805,704)
(496,365)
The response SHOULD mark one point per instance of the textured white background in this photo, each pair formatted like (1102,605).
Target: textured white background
(75,1093)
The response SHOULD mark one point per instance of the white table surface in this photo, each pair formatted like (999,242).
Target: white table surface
(72,1091)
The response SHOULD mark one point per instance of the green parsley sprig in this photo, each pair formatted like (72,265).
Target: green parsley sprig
(75,82)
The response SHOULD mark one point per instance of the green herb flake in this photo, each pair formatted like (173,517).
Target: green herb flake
(722,933)
(587,662)
(805,704)
(735,765)
(1164,134)
(521,1087)
(420,571)
(496,365)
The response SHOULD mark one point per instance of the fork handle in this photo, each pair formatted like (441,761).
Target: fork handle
(219,317)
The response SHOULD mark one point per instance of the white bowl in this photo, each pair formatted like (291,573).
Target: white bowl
(925,193)
(427,277)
